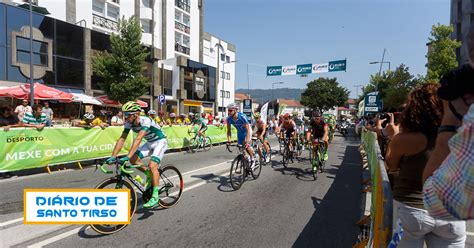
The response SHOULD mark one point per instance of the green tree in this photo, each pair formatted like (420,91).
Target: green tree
(323,94)
(120,71)
(393,86)
(442,53)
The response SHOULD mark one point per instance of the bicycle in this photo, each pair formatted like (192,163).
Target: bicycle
(317,157)
(240,167)
(259,147)
(170,190)
(287,153)
(198,142)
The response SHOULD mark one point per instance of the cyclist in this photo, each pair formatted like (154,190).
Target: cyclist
(332,126)
(319,130)
(299,129)
(155,147)
(244,131)
(198,121)
(288,126)
(262,134)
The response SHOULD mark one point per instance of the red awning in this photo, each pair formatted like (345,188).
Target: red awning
(42,92)
(104,99)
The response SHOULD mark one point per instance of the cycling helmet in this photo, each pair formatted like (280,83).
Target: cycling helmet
(256,115)
(89,116)
(286,116)
(191,114)
(172,115)
(316,114)
(233,106)
(152,112)
(131,106)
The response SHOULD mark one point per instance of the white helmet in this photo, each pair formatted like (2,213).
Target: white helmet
(152,112)
(89,116)
(172,115)
(233,106)
(191,114)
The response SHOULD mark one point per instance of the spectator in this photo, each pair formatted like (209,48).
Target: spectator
(449,186)
(162,116)
(8,119)
(49,114)
(204,118)
(210,118)
(187,120)
(90,121)
(36,119)
(172,120)
(22,109)
(408,152)
(117,119)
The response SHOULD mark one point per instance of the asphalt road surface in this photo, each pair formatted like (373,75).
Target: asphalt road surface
(282,208)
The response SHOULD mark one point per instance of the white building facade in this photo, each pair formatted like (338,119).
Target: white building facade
(184,64)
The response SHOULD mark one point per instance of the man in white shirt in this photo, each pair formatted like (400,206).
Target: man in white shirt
(22,109)
(117,120)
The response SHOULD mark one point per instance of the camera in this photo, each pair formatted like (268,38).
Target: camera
(383,116)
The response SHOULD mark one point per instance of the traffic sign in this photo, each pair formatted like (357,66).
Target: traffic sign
(162,99)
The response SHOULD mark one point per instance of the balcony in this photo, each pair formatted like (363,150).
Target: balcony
(182,5)
(182,27)
(181,49)
(103,22)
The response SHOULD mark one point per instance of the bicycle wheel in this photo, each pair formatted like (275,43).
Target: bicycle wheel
(321,159)
(286,156)
(193,145)
(171,186)
(207,143)
(314,164)
(115,183)
(237,172)
(258,167)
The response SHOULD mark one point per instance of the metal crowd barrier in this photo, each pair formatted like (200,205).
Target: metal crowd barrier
(381,210)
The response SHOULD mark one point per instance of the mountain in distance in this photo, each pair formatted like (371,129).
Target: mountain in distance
(263,95)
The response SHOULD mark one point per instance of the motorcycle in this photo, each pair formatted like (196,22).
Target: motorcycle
(343,128)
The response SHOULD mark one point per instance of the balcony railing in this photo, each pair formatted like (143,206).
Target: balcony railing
(181,49)
(182,27)
(182,5)
(104,22)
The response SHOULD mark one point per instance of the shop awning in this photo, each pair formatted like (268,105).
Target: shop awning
(42,92)
(104,99)
(192,103)
(85,99)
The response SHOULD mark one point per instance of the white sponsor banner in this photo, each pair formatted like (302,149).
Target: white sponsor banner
(263,112)
(76,206)
(374,109)
(288,70)
(320,68)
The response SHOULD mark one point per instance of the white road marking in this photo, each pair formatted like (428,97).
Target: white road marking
(57,238)
(6,223)
(470,233)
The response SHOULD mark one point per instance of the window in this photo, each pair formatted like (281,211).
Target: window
(227,59)
(186,41)
(112,12)
(227,94)
(222,74)
(186,20)
(200,84)
(98,7)
(147,3)
(146,26)
(177,16)
(227,75)
(222,57)
(177,38)
(40,51)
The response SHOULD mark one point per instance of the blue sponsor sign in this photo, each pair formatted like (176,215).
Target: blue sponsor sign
(372,102)
(274,70)
(304,69)
(339,65)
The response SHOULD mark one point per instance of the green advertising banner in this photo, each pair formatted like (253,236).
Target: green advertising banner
(29,148)
(331,66)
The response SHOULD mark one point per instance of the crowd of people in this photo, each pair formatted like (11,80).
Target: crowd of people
(428,148)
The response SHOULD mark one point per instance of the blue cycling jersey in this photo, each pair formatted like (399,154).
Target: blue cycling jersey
(240,123)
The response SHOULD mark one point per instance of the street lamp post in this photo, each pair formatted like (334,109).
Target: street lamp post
(219,46)
(273,88)
(381,63)
(357,89)
(223,80)
(32,85)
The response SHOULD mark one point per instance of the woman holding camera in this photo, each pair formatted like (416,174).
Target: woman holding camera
(409,152)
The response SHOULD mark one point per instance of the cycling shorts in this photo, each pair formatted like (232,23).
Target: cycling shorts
(203,129)
(289,133)
(241,137)
(265,135)
(154,149)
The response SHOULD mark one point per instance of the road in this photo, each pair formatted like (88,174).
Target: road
(282,208)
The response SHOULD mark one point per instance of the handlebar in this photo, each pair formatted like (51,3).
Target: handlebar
(124,168)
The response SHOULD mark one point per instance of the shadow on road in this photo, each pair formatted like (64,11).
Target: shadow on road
(223,181)
(333,222)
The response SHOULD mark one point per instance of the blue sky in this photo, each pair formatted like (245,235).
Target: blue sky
(277,32)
